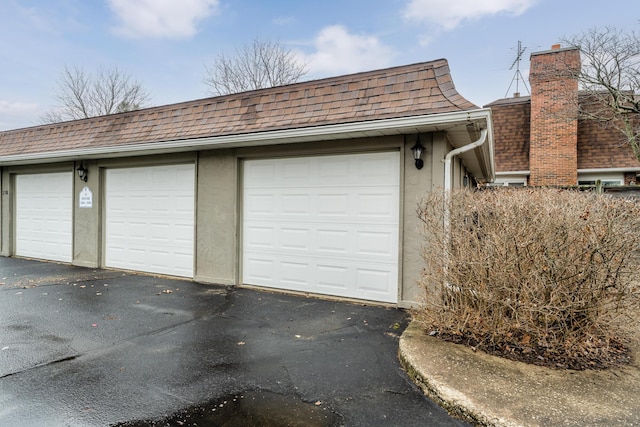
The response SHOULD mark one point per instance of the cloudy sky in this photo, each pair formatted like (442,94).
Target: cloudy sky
(166,44)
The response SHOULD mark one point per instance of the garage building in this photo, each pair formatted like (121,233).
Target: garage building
(310,187)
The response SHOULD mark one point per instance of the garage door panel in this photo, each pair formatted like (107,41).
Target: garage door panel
(259,237)
(332,241)
(375,279)
(376,243)
(332,279)
(333,204)
(259,173)
(44,209)
(260,203)
(317,224)
(370,281)
(352,240)
(317,205)
(294,274)
(334,171)
(296,239)
(376,205)
(259,269)
(296,169)
(374,171)
(296,204)
(150,219)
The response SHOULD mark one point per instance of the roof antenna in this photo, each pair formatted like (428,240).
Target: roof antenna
(517,75)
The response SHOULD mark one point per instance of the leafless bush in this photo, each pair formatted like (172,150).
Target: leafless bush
(541,275)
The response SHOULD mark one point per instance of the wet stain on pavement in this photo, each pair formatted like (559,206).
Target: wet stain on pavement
(251,408)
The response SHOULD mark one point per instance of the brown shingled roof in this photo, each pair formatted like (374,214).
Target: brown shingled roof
(599,145)
(411,90)
(511,120)
(602,143)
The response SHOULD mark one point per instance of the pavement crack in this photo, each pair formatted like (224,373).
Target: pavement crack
(42,365)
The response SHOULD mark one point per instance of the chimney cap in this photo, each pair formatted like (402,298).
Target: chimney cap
(556,48)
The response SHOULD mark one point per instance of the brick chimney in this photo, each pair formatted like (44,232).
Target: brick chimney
(553,154)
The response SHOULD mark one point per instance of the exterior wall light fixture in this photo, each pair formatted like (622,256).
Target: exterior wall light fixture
(83,174)
(417,153)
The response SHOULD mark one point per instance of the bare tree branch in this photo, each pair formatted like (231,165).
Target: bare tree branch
(262,64)
(610,80)
(82,95)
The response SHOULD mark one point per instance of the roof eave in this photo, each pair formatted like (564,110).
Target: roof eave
(479,161)
(373,128)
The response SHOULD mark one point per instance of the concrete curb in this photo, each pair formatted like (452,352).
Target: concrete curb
(491,391)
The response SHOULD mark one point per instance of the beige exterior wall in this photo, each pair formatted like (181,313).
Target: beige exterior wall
(86,221)
(217,218)
(416,184)
(218,210)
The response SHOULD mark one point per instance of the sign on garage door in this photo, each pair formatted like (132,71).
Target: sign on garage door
(44,206)
(149,219)
(323,224)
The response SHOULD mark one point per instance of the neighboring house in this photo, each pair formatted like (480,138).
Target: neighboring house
(538,141)
(309,187)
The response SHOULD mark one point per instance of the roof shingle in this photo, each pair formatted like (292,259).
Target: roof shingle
(411,90)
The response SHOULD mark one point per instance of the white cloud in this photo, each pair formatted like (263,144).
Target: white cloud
(161,18)
(449,14)
(339,52)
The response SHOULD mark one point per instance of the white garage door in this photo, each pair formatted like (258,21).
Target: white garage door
(323,224)
(44,204)
(149,216)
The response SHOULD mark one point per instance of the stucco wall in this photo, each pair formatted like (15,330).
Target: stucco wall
(217,217)
(86,223)
(416,184)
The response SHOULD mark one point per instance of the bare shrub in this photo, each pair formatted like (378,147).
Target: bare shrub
(541,275)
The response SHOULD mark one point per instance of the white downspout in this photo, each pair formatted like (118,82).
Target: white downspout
(447,188)
(447,173)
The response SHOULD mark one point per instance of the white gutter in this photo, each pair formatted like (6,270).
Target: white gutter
(401,125)
(451,154)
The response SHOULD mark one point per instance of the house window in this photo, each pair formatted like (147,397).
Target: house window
(604,182)
(607,180)
(509,182)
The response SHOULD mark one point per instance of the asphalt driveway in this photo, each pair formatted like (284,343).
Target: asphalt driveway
(84,347)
